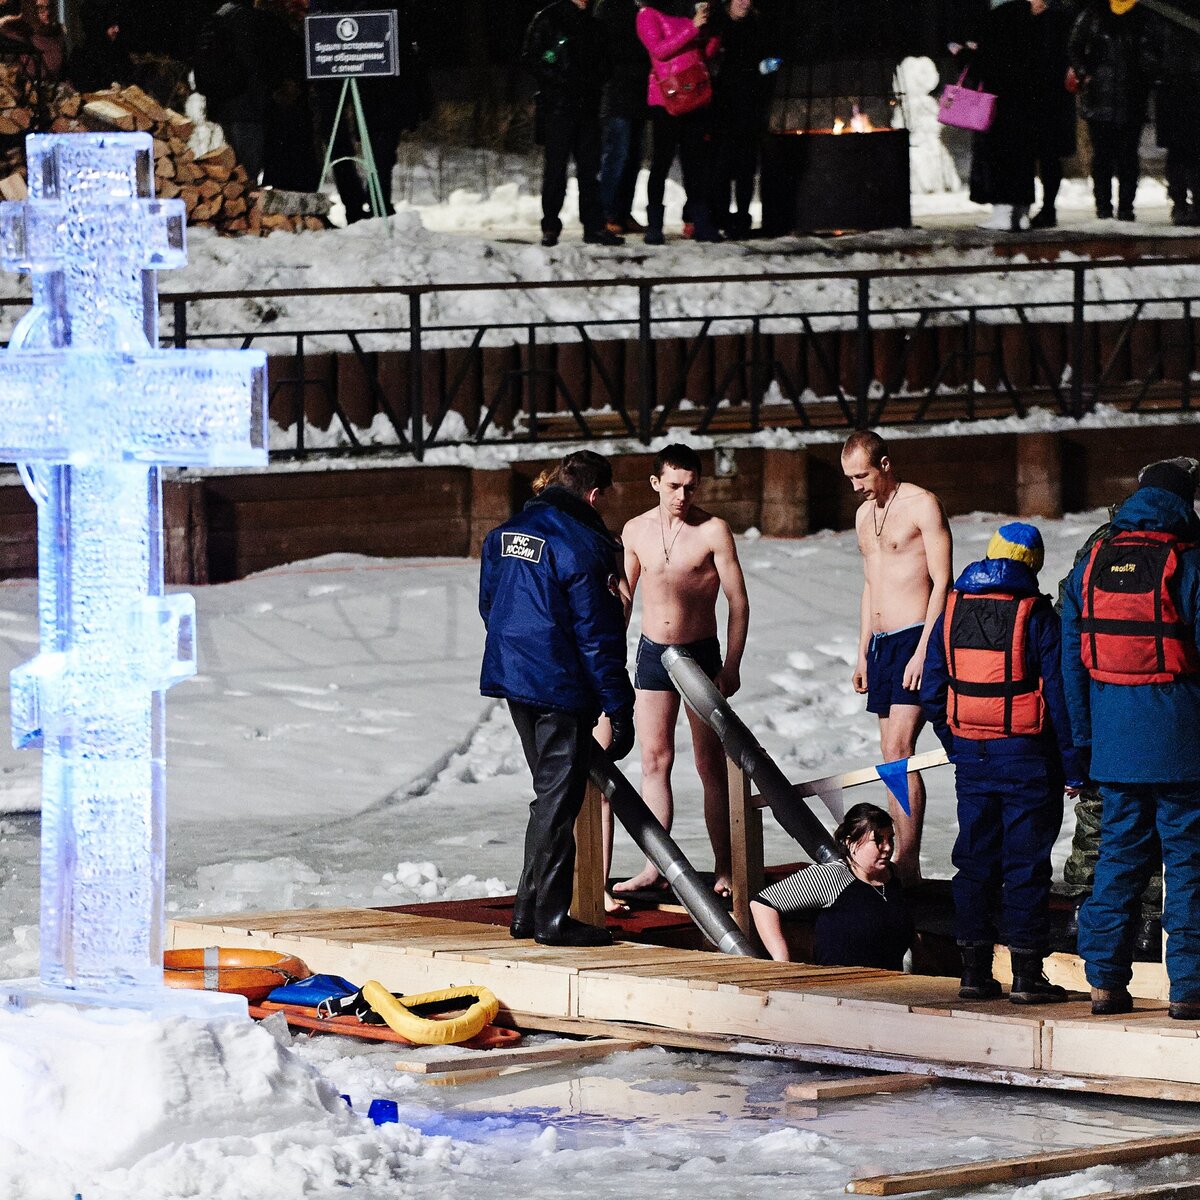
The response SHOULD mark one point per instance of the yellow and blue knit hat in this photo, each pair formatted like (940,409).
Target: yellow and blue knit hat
(1020,542)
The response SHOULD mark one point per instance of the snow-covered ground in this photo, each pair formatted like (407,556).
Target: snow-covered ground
(335,750)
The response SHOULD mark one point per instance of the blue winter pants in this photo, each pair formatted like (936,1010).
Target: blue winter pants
(1010,811)
(620,162)
(1109,919)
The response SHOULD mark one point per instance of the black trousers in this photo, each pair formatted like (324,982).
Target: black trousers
(735,146)
(571,134)
(1050,172)
(1183,176)
(1114,152)
(686,136)
(382,115)
(557,748)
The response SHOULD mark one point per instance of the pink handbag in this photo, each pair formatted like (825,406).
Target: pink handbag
(966,108)
(684,82)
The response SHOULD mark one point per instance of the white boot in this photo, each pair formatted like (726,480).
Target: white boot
(1001,218)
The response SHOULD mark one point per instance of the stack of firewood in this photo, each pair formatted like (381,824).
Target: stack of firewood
(214,186)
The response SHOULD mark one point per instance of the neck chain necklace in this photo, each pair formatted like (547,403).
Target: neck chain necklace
(662,532)
(887,508)
(880,889)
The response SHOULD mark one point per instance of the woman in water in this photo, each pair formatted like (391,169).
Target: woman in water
(863,919)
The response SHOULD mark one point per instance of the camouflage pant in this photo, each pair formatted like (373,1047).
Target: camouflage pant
(1080,868)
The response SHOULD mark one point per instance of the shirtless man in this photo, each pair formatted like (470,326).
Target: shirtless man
(906,548)
(683,556)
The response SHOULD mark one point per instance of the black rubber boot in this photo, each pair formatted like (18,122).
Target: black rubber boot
(654,225)
(1111,1002)
(1030,985)
(521,925)
(566,931)
(977,982)
(706,230)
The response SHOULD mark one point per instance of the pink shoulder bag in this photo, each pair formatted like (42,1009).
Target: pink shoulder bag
(966,108)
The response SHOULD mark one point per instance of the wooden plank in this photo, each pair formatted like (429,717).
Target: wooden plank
(587,903)
(838,1056)
(771,1014)
(419,942)
(848,779)
(865,1085)
(1122,1050)
(1029,1166)
(520,1057)
(299,920)
(747,875)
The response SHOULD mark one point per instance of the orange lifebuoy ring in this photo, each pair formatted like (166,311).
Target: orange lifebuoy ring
(250,973)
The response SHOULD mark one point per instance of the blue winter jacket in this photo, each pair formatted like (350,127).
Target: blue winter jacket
(1054,744)
(1147,732)
(548,594)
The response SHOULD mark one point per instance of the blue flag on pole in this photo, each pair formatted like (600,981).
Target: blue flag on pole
(895,775)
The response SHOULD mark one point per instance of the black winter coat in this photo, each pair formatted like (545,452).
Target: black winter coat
(1110,55)
(1054,129)
(1175,53)
(625,89)
(741,92)
(566,52)
(1002,162)
(244,33)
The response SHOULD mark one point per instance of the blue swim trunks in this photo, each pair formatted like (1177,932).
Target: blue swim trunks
(887,656)
(649,675)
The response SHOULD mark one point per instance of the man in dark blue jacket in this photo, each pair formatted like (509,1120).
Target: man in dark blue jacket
(1131,621)
(992,688)
(549,595)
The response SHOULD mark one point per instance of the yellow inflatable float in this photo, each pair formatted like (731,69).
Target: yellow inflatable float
(412,1016)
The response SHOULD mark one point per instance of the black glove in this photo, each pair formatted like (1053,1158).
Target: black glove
(622,734)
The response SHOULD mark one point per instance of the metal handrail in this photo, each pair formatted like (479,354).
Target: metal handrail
(861,317)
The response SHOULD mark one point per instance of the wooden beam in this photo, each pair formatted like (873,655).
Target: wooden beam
(863,1085)
(746,849)
(856,778)
(858,1060)
(587,904)
(1004,1170)
(522,1056)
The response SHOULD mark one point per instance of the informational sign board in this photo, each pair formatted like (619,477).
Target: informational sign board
(351,45)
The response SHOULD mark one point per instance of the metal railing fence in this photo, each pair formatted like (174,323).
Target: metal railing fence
(805,367)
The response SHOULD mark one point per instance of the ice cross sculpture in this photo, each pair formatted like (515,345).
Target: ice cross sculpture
(91,409)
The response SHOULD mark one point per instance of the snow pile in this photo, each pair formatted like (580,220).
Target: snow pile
(85,1092)
(275,884)
(413,882)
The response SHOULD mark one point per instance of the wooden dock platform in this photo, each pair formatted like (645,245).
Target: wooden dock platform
(832,1015)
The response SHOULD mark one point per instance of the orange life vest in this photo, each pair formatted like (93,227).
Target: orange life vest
(1131,631)
(990,694)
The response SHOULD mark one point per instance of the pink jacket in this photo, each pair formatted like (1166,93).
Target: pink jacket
(672,43)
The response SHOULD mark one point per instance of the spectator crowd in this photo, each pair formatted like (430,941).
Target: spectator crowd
(623,83)
(1038,58)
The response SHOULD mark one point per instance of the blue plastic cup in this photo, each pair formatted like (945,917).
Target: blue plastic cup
(384,1112)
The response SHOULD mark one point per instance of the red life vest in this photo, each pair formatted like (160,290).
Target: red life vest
(1131,632)
(990,693)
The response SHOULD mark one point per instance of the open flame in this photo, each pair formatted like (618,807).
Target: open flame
(859,122)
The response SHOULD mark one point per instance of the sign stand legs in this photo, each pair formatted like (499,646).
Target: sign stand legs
(367,160)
